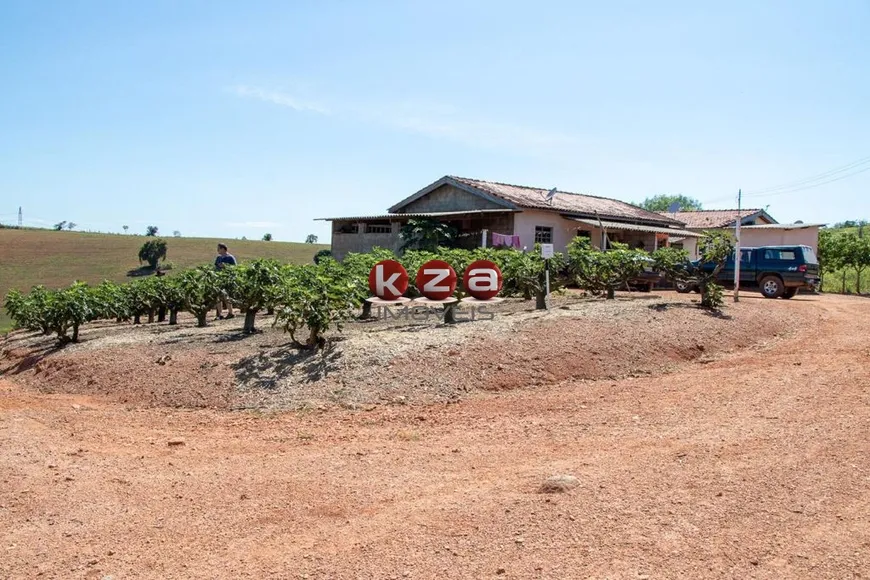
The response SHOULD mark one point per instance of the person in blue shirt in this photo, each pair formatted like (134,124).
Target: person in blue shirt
(223,260)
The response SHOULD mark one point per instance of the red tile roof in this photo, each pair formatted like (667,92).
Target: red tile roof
(710,218)
(565,201)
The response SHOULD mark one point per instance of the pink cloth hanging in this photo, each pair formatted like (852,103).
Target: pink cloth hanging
(512,241)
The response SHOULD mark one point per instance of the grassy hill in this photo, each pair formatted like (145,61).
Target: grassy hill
(56,259)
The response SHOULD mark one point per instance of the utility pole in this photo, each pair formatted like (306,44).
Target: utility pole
(20,217)
(737,249)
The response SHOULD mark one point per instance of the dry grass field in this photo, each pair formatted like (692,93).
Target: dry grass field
(56,259)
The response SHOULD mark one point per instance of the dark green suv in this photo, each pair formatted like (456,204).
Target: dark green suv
(776,271)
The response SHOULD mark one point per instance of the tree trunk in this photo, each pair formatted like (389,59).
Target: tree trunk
(200,319)
(450,313)
(844,282)
(75,336)
(118,319)
(173,317)
(136,319)
(270,310)
(366,311)
(611,293)
(313,338)
(858,282)
(250,315)
(161,314)
(540,300)
(150,316)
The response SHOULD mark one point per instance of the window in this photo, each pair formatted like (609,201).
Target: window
(543,235)
(348,229)
(379,228)
(784,255)
(809,255)
(584,234)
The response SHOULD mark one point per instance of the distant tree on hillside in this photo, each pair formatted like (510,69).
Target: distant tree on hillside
(125,228)
(176,233)
(152,252)
(663,201)
(849,224)
(151,231)
(59,226)
(267,237)
(311,239)
(71,226)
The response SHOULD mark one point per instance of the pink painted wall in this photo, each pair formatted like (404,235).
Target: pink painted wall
(766,237)
(563,230)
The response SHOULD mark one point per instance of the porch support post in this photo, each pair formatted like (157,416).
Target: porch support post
(483,239)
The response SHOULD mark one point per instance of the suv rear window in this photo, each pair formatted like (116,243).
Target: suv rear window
(784,255)
(810,255)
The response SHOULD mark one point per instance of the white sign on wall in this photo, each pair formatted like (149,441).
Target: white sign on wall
(546,251)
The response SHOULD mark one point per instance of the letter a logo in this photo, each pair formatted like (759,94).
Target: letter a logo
(482,280)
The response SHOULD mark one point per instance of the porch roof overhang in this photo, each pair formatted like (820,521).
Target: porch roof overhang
(608,225)
(431,214)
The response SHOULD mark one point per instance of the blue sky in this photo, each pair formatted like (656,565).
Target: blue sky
(233,119)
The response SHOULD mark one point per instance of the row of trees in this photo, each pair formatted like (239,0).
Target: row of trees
(311,298)
(842,253)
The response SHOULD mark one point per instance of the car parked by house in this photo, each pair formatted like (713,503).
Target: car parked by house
(648,277)
(776,271)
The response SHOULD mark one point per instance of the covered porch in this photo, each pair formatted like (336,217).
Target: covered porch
(637,236)
(362,233)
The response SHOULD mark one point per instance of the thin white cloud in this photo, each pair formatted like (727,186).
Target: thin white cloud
(278,98)
(256,225)
(433,120)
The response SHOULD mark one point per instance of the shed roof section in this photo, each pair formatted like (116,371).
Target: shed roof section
(715,218)
(782,226)
(403,216)
(608,225)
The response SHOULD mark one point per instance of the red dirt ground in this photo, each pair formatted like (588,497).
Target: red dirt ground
(753,464)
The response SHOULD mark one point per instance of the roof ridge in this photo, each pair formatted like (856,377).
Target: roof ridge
(536,188)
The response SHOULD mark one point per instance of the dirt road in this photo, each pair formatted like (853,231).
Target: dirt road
(751,466)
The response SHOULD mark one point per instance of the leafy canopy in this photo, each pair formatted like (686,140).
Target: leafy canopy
(662,202)
(152,252)
(426,234)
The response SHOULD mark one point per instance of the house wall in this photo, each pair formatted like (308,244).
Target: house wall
(691,246)
(564,230)
(449,198)
(769,237)
(342,243)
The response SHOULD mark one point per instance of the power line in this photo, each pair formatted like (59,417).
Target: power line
(811,186)
(821,178)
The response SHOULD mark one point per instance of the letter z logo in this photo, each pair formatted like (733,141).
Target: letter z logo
(436,280)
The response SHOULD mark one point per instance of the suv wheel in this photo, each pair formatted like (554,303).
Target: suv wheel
(790,292)
(683,287)
(771,287)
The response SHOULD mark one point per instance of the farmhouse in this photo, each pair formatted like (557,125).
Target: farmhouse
(490,213)
(757,228)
